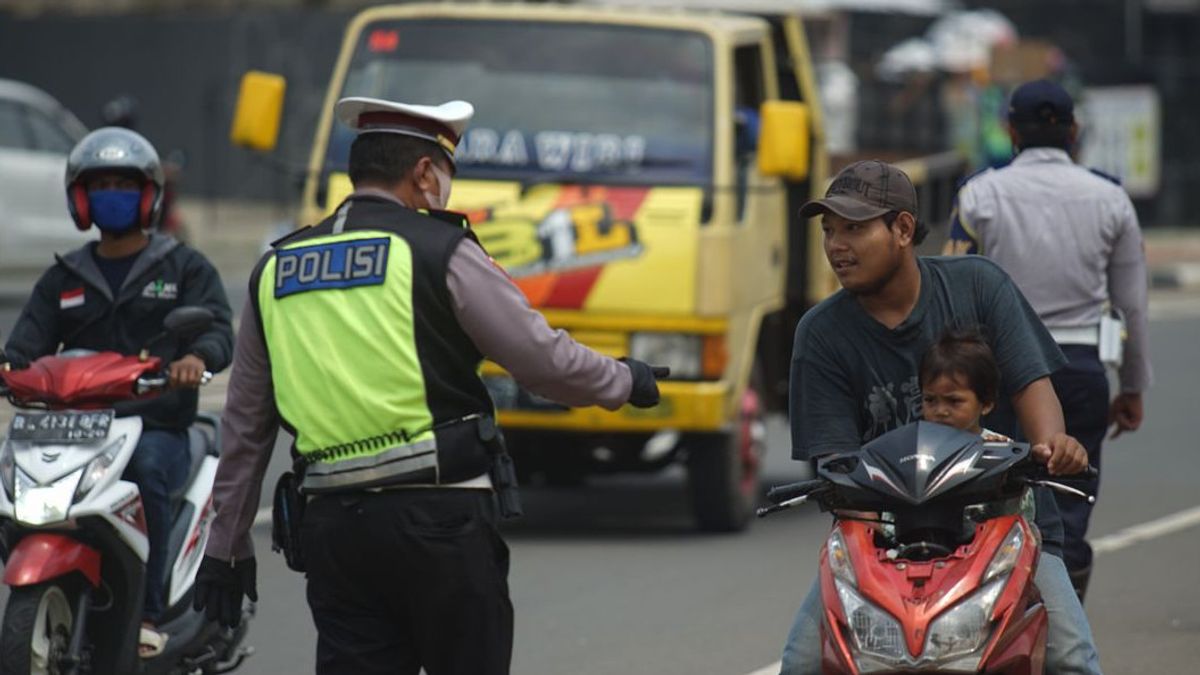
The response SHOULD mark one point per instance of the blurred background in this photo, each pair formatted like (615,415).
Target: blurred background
(613,578)
(909,76)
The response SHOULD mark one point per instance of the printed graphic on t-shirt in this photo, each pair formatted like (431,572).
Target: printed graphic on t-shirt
(889,407)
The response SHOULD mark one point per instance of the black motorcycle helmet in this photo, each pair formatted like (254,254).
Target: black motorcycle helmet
(114,150)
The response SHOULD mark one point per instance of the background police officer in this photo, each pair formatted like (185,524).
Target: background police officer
(375,322)
(1069,237)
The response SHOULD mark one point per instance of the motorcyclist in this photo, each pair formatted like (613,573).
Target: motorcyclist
(112,295)
(854,373)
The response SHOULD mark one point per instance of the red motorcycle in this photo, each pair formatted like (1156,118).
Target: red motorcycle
(74,538)
(930,566)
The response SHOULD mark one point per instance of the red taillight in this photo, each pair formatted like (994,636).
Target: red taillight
(382,40)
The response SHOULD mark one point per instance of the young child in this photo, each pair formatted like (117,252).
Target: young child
(959,382)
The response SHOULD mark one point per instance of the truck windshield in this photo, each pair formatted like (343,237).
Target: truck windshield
(554,102)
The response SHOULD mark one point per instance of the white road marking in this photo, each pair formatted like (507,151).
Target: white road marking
(1153,529)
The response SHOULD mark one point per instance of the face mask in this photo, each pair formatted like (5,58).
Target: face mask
(114,210)
(443,197)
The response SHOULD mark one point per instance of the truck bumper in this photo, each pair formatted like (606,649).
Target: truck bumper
(685,406)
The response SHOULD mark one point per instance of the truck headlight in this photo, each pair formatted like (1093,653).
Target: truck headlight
(876,633)
(96,468)
(965,627)
(690,357)
(677,351)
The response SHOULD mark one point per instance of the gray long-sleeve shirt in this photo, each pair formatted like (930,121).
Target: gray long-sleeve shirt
(494,314)
(1070,240)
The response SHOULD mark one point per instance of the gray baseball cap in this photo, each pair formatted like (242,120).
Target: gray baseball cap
(865,190)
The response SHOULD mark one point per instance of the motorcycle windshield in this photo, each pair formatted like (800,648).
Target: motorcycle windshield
(924,461)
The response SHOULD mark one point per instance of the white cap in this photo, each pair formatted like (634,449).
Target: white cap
(441,124)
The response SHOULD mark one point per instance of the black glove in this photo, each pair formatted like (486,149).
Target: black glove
(644,392)
(220,586)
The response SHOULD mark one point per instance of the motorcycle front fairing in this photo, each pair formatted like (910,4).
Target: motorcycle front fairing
(966,602)
(53,485)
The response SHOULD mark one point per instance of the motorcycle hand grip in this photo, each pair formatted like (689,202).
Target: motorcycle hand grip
(660,372)
(782,493)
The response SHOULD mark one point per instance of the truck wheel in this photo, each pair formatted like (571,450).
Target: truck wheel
(37,630)
(723,468)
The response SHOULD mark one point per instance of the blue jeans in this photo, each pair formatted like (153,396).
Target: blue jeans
(159,466)
(1069,646)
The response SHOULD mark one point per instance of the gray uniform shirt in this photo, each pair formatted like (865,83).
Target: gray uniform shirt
(1069,239)
(492,311)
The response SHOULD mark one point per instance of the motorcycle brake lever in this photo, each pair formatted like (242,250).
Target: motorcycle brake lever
(765,511)
(1065,489)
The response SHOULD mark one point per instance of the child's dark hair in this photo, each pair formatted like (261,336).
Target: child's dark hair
(965,353)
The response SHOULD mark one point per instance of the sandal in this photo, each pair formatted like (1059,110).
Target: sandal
(151,642)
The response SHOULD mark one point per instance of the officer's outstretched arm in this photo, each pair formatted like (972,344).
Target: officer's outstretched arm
(497,317)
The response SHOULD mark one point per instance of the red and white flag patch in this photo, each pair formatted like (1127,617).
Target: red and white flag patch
(71,298)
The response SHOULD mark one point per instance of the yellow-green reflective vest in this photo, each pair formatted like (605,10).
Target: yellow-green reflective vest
(371,371)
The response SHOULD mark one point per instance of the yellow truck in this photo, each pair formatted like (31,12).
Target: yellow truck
(638,174)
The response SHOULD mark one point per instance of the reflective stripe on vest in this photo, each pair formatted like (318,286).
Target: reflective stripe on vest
(338,320)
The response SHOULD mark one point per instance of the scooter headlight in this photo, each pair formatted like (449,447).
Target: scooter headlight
(98,467)
(1006,557)
(839,559)
(961,630)
(876,633)
(8,469)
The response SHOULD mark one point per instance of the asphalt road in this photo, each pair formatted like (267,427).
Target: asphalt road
(611,578)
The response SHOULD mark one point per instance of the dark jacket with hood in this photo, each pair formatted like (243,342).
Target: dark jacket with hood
(73,306)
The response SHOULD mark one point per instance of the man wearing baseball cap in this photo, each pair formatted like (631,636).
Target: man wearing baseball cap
(363,337)
(1070,239)
(856,355)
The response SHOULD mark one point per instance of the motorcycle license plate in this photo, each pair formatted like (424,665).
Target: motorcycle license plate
(67,426)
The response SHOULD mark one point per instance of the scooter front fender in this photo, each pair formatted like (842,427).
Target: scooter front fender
(44,556)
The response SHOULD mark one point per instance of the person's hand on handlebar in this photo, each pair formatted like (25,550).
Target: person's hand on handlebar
(187,372)
(1062,455)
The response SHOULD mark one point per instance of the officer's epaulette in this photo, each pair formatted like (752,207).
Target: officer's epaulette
(450,217)
(967,178)
(1106,176)
(290,235)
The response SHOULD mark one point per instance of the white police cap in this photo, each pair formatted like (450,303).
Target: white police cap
(442,124)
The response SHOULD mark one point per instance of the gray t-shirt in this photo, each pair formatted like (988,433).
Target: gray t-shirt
(852,378)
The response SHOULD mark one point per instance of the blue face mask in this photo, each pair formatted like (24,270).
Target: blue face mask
(114,210)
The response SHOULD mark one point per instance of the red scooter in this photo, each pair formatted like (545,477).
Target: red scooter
(74,539)
(930,566)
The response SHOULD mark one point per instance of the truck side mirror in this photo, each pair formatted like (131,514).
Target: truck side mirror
(783,141)
(259,111)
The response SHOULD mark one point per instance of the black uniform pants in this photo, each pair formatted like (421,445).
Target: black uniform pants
(1082,388)
(408,579)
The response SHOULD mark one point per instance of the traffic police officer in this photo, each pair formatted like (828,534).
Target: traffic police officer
(363,337)
(1069,238)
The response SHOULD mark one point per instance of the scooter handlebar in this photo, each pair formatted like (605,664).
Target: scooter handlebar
(146,385)
(783,493)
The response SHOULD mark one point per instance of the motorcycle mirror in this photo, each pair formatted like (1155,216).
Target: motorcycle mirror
(188,320)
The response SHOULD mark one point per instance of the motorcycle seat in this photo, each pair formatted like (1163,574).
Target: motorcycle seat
(201,443)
